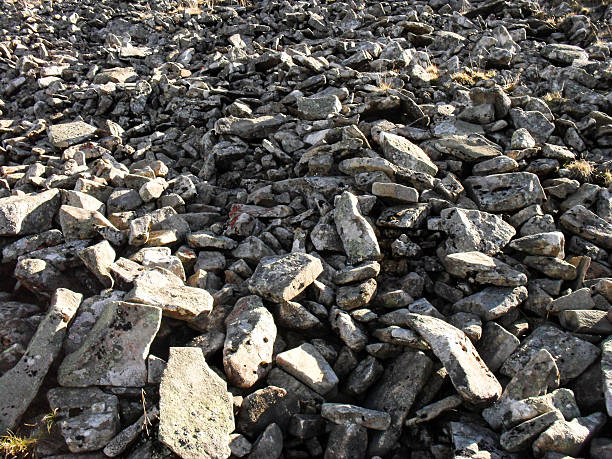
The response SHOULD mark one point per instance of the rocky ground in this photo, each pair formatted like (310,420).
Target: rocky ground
(340,229)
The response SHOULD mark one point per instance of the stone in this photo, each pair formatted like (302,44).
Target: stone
(161,288)
(357,235)
(470,148)
(28,214)
(21,383)
(308,366)
(265,406)
(545,244)
(123,439)
(472,439)
(469,375)
(340,413)
(282,278)
(551,267)
(366,270)
(402,152)
(249,342)
(356,296)
(88,418)
(269,445)
(519,438)
(347,441)
(534,121)
(318,108)
(67,134)
(496,345)
(572,355)
(504,192)
(581,221)
(472,230)
(483,268)
(569,437)
(250,128)
(590,321)
(395,191)
(349,331)
(98,258)
(563,54)
(521,139)
(115,350)
(204,429)
(492,303)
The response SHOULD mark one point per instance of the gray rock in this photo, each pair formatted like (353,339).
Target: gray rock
(318,108)
(551,267)
(250,128)
(590,321)
(340,413)
(347,441)
(606,370)
(123,439)
(470,148)
(308,366)
(395,191)
(402,152)
(204,429)
(67,134)
(115,350)
(521,139)
(581,221)
(249,341)
(483,268)
(21,383)
(357,235)
(265,406)
(474,440)
(282,278)
(269,445)
(519,438)
(348,330)
(571,354)
(545,244)
(88,418)
(469,375)
(358,273)
(504,192)
(534,121)
(569,437)
(98,258)
(563,54)
(33,213)
(356,296)
(492,303)
(496,345)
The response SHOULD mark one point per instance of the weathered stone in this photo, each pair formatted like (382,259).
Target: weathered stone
(308,365)
(347,441)
(590,321)
(356,296)
(33,213)
(21,383)
(269,445)
(282,278)
(357,235)
(67,134)
(504,192)
(569,437)
(250,128)
(340,413)
(123,439)
(265,406)
(115,350)
(496,345)
(484,269)
(581,221)
(471,148)
(492,303)
(203,430)
(402,152)
(545,244)
(520,437)
(249,341)
(318,108)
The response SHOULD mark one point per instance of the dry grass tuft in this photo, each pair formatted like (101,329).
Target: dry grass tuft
(13,446)
(432,71)
(581,169)
(471,76)
(554,96)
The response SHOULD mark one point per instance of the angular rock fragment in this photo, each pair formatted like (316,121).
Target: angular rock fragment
(492,303)
(569,437)
(203,429)
(67,134)
(21,215)
(339,413)
(402,152)
(486,270)
(308,365)
(505,192)
(581,221)
(357,235)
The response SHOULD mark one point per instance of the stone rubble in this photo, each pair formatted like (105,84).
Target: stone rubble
(294,229)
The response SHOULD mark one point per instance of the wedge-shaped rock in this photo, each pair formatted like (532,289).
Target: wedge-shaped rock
(483,268)
(520,437)
(308,365)
(79,223)
(504,192)
(196,413)
(581,221)
(569,437)
(357,235)
(282,278)
(468,373)
(250,128)
(341,413)
(492,302)
(470,148)
(67,134)
(115,350)
(572,355)
(163,289)
(249,341)
(545,244)
(29,214)
(472,230)
(98,258)
(88,418)
(402,152)
(395,393)
(20,384)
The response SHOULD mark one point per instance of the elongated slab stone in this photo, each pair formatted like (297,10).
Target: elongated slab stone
(115,350)
(20,384)
(308,366)
(504,192)
(357,235)
(29,214)
(468,373)
(196,413)
(401,151)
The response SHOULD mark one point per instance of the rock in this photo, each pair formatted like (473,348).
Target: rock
(308,365)
(204,429)
(471,439)
(115,350)
(606,370)
(571,354)
(563,54)
(161,288)
(521,139)
(67,134)
(21,215)
(282,278)
(339,413)
(318,108)
(469,375)
(250,128)
(21,383)
(357,235)
(356,296)
(520,437)
(569,437)
(122,441)
(404,153)
(504,192)
(98,258)
(88,418)
(492,303)
(470,148)
(534,121)
(496,345)
(269,444)
(486,270)
(358,273)
(472,230)
(249,341)
(395,191)
(544,244)
(347,441)
(551,267)
(581,221)
(585,321)
(265,406)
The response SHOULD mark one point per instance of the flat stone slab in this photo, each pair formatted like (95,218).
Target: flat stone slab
(115,350)
(467,371)
(492,303)
(308,366)
(196,410)
(282,278)
(67,134)
(483,268)
(470,148)
(29,214)
(88,418)
(249,342)
(341,413)
(588,225)
(572,355)
(402,152)
(21,383)
(504,192)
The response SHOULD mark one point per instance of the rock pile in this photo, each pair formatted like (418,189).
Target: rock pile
(338,229)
